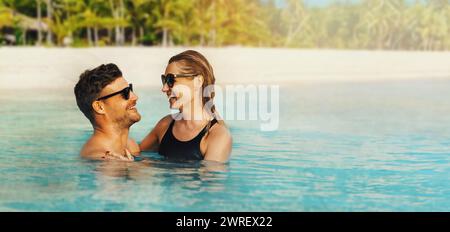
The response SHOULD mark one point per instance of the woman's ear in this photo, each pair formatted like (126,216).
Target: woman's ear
(198,84)
(98,107)
(200,80)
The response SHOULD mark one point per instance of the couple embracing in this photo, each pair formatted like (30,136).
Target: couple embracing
(196,132)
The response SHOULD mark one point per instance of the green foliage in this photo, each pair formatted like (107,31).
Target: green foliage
(367,24)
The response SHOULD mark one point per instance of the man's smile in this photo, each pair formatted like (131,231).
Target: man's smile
(132,107)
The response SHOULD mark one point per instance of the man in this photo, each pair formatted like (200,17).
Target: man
(108,101)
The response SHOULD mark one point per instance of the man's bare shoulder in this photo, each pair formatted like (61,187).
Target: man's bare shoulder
(93,149)
(96,149)
(133,147)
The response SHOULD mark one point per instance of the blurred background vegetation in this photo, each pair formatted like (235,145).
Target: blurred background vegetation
(364,24)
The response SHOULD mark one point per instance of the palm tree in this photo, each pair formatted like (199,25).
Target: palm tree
(138,14)
(117,8)
(49,21)
(6,18)
(39,18)
(367,24)
(165,19)
(295,17)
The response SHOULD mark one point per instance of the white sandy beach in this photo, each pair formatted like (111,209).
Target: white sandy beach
(38,67)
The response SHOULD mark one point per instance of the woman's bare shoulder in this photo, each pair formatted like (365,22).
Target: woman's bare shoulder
(162,125)
(219,144)
(219,132)
(165,121)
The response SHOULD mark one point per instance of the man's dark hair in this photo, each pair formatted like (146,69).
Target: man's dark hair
(91,84)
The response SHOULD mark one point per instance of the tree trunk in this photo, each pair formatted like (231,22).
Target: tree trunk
(115,15)
(170,42)
(89,36)
(24,36)
(165,37)
(96,36)
(110,36)
(202,40)
(122,35)
(212,33)
(49,17)
(122,16)
(213,37)
(133,37)
(141,33)
(117,35)
(39,18)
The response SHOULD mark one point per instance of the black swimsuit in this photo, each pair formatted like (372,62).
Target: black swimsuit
(173,148)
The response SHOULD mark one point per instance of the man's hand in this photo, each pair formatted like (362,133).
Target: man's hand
(114,156)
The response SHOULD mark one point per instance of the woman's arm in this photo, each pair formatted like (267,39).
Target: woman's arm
(151,141)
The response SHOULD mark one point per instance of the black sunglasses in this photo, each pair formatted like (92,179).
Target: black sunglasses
(169,79)
(125,93)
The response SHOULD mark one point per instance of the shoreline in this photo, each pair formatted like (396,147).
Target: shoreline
(40,67)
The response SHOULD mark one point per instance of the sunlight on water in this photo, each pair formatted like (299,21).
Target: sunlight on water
(339,147)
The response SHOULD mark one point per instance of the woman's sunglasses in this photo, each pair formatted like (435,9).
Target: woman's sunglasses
(169,79)
(125,93)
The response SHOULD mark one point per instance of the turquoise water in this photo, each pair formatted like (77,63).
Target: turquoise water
(339,147)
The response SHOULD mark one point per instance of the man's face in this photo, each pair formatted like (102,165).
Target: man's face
(119,110)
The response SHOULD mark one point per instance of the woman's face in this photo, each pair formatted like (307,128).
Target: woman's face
(184,90)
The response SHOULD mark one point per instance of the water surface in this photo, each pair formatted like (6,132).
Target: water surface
(339,147)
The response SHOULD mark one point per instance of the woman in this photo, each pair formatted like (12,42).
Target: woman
(195,133)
